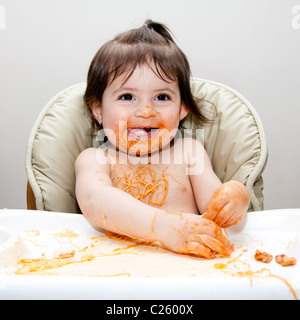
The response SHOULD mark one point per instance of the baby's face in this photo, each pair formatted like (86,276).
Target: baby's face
(141,115)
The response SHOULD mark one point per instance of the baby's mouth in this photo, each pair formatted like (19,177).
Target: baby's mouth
(141,133)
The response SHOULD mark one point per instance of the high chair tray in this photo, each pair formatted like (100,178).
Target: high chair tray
(60,256)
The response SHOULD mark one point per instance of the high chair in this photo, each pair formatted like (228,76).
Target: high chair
(235,143)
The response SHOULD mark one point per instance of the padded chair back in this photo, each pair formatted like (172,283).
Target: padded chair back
(235,143)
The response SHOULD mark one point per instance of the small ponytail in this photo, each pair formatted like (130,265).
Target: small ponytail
(160,29)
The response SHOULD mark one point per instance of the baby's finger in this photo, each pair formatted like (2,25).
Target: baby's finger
(218,215)
(200,250)
(223,239)
(217,246)
(216,204)
(211,213)
(232,220)
(224,216)
(210,228)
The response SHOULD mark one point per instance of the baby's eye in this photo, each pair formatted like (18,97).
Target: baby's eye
(127,97)
(162,97)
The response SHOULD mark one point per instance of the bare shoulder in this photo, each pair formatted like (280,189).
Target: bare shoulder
(192,143)
(85,155)
(90,158)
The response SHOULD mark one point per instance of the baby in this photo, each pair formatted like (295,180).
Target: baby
(147,181)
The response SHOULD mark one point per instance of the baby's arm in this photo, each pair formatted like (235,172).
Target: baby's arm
(109,208)
(202,176)
(226,203)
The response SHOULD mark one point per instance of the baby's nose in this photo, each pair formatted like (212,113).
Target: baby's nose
(146,112)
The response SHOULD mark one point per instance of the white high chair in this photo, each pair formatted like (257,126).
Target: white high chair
(235,143)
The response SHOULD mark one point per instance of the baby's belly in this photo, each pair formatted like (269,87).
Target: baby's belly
(164,187)
(183,204)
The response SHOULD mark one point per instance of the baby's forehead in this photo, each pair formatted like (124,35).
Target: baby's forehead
(144,72)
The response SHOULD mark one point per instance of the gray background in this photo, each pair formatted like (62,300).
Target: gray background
(251,45)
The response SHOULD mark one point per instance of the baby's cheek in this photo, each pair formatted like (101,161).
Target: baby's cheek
(120,131)
(171,125)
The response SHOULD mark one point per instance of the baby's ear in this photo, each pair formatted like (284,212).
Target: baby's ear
(95,107)
(183,110)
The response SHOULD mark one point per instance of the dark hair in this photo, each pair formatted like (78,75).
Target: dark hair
(151,44)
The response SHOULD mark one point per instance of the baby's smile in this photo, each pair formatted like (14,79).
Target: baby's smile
(141,133)
(139,139)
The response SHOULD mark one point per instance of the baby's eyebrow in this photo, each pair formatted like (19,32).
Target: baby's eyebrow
(128,89)
(165,90)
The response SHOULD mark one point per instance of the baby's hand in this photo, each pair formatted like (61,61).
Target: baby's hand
(228,205)
(191,234)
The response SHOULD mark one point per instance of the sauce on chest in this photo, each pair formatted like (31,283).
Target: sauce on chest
(155,185)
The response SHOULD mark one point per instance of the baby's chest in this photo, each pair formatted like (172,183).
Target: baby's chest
(155,185)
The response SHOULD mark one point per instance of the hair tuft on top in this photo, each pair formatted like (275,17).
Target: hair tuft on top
(160,29)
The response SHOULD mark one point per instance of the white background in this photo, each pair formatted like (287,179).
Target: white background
(251,45)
